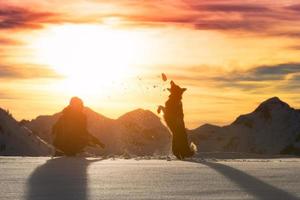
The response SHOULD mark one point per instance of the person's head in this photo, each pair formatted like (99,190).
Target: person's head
(76,103)
(175,90)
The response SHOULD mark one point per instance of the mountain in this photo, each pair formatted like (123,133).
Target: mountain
(272,128)
(139,132)
(42,126)
(16,140)
(143,133)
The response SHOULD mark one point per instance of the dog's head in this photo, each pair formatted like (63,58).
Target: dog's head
(175,90)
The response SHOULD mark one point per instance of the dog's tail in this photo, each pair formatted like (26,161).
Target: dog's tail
(161,108)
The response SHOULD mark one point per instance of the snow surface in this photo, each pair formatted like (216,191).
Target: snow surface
(65,178)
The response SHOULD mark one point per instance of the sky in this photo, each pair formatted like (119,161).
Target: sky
(230,55)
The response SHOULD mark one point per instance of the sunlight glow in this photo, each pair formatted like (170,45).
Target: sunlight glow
(89,56)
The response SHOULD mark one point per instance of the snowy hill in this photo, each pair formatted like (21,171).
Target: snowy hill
(42,126)
(17,140)
(272,128)
(143,133)
(139,132)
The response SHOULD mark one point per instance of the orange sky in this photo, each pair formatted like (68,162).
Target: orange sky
(230,54)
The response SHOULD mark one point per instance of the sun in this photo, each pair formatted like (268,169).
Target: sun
(88,56)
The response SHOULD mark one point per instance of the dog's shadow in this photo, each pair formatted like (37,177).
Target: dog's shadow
(250,184)
(59,178)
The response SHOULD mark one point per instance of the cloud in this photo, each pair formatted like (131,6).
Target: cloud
(290,34)
(202,23)
(232,8)
(294,7)
(7,95)
(26,72)
(17,17)
(247,25)
(221,15)
(291,85)
(281,77)
(285,76)
(260,77)
(295,47)
(259,18)
(10,42)
(264,73)
(255,74)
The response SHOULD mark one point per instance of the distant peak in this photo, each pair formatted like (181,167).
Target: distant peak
(270,103)
(138,113)
(207,125)
(138,110)
(273,100)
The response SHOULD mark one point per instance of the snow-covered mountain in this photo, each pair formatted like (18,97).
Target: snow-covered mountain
(18,140)
(143,133)
(272,128)
(139,132)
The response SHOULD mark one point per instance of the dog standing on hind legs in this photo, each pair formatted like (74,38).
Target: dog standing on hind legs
(173,115)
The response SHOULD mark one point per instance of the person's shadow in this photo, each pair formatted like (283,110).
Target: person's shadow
(252,185)
(59,178)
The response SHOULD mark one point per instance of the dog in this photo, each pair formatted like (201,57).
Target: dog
(174,118)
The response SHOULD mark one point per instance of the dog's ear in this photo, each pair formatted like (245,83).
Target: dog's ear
(172,83)
(183,89)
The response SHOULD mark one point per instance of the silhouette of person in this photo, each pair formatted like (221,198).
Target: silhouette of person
(70,131)
(173,115)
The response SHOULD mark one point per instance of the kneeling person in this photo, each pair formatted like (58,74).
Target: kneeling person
(70,131)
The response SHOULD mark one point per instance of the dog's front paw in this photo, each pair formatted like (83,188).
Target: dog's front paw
(159,109)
